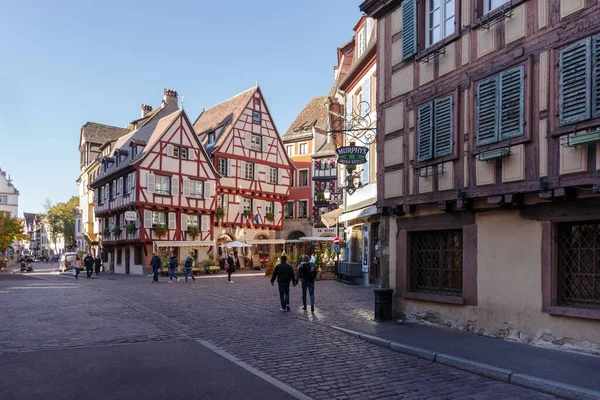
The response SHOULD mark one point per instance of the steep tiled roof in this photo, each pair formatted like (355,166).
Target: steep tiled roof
(314,114)
(94,132)
(223,113)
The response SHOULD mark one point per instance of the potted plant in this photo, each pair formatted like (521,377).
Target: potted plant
(247,213)
(117,230)
(321,196)
(270,216)
(159,229)
(220,213)
(106,233)
(131,228)
(193,231)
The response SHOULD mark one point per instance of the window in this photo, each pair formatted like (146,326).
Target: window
(269,207)
(249,171)
(435,129)
(302,209)
(579,81)
(184,153)
(303,148)
(578,272)
(163,184)
(107,192)
(137,255)
(113,189)
(256,143)
(256,117)
(490,5)
(247,205)
(128,183)
(101,195)
(3,199)
(500,107)
(436,262)
(176,151)
(196,188)
(220,201)
(193,220)
(440,20)
(290,149)
(273,175)
(119,256)
(303,177)
(223,164)
(292,178)
(180,152)
(211,138)
(362,43)
(289,210)
(159,218)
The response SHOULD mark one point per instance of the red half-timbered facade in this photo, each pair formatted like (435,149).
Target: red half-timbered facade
(248,154)
(163,174)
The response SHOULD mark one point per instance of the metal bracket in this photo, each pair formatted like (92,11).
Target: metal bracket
(492,18)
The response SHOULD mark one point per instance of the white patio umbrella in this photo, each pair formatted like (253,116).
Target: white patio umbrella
(235,244)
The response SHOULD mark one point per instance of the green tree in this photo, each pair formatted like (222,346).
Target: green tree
(10,229)
(61,220)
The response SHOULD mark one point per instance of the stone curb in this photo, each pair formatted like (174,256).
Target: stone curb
(489,371)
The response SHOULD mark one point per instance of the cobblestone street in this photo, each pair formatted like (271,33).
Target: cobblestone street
(57,312)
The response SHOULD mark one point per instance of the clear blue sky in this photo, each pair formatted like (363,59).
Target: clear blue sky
(67,62)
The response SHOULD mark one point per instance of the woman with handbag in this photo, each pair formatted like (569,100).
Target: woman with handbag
(77,266)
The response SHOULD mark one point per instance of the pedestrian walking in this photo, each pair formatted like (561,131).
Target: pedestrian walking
(230,267)
(77,266)
(313,258)
(223,259)
(88,261)
(284,273)
(155,263)
(172,267)
(189,263)
(307,274)
(97,264)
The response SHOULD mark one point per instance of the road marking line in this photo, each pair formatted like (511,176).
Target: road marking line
(278,384)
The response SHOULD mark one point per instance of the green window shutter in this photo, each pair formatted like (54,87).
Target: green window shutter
(409,28)
(596,77)
(425,125)
(443,134)
(487,111)
(511,102)
(574,83)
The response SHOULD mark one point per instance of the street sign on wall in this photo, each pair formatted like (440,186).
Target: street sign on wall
(130,216)
(352,155)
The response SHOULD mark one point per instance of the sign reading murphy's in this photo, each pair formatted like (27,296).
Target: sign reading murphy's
(352,155)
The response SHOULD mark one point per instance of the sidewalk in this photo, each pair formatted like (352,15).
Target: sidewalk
(556,366)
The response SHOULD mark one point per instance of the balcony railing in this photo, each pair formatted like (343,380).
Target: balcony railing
(325,173)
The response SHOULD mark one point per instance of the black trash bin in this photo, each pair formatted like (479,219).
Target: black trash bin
(383,304)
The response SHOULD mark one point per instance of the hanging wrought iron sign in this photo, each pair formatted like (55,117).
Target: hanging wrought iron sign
(352,155)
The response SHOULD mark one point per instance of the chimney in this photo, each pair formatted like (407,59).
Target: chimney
(146,109)
(169,95)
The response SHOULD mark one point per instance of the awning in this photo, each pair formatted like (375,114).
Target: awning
(266,241)
(362,213)
(184,243)
(235,244)
(330,218)
(316,239)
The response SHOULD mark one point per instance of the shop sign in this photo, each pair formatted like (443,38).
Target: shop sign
(352,155)
(321,231)
(130,215)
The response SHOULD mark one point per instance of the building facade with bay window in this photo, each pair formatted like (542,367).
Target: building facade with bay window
(489,138)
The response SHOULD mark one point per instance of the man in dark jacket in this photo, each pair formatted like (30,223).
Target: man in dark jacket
(307,274)
(173,268)
(155,263)
(88,261)
(284,273)
(97,264)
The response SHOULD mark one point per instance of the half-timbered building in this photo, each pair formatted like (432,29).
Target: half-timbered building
(162,174)
(488,165)
(245,148)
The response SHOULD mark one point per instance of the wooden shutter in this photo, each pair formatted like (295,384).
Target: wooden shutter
(120,186)
(132,179)
(366,96)
(208,189)
(366,172)
(191,154)
(186,187)
(151,183)
(229,167)
(242,173)
(409,29)
(172,221)
(349,106)
(511,103)
(574,83)
(596,77)
(183,222)
(425,126)
(487,111)
(147,219)
(369,30)
(175,186)
(247,139)
(277,211)
(241,204)
(170,150)
(443,126)
(205,223)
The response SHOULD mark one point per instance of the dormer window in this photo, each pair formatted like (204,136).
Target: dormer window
(211,138)
(362,42)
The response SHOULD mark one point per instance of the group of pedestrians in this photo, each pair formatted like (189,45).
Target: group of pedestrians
(156,263)
(90,263)
(284,274)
